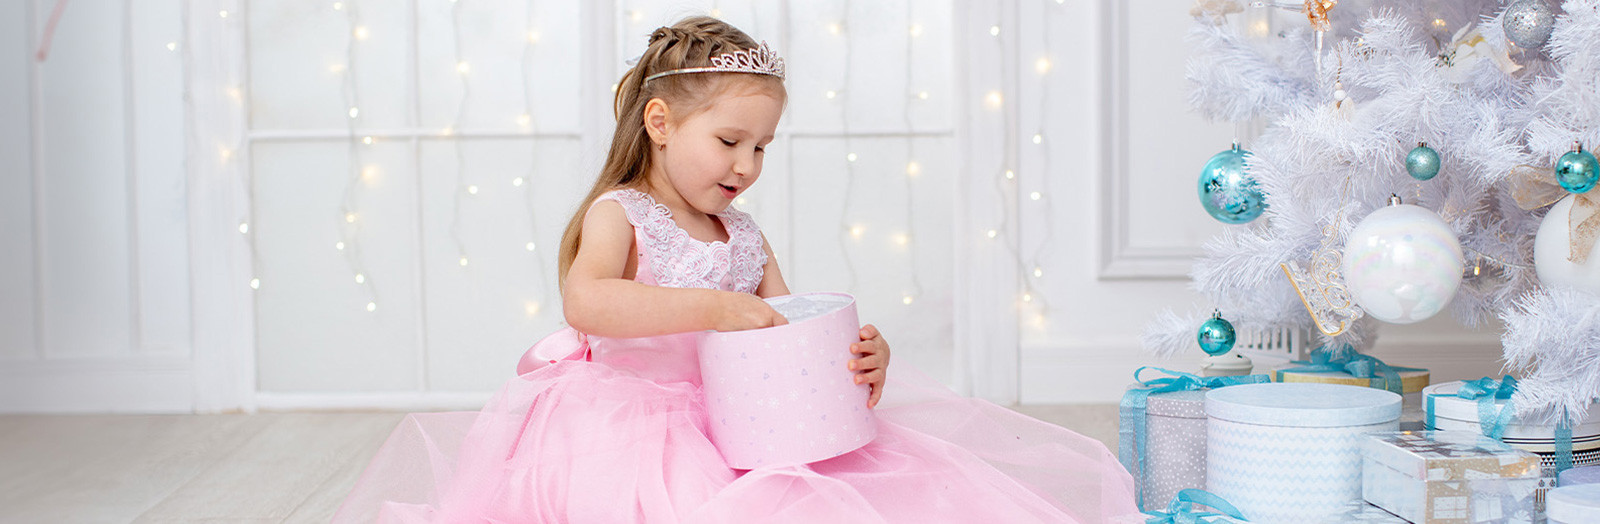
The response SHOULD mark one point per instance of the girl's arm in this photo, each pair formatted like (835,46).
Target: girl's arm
(599,300)
(771,279)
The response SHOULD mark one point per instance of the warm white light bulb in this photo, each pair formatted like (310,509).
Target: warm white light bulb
(361,33)
(1042,65)
(1038,272)
(223,14)
(906,300)
(835,28)
(472,190)
(531,307)
(462,67)
(463,261)
(830,94)
(244,227)
(366,140)
(636,15)
(372,306)
(923,95)
(994,99)
(857,230)
(1027,297)
(1010,174)
(533,37)
(338,5)
(716,13)
(172,46)
(350,217)
(902,239)
(255,283)
(1037,138)
(524,120)
(994,30)
(913,168)
(361,278)
(850,157)
(339,246)
(1035,195)
(739,201)
(354,112)
(530,246)
(370,173)
(517,182)
(992,233)
(916,30)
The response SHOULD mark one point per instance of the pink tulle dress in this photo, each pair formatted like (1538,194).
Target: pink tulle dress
(606,430)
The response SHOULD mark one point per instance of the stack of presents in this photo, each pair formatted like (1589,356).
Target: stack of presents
(1351,440)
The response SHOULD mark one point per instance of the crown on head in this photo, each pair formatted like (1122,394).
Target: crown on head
(759,60)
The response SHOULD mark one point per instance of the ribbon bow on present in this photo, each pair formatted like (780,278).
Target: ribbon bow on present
(1487,391)
(1136,401)
(1533,188)
(1181,509)
(1380,375)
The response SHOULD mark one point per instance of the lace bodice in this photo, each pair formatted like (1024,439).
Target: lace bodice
(669,257)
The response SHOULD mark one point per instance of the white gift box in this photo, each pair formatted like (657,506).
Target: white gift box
(1450,477)
(1448,412)
(1176,460)
(1578,504)
(1291,453)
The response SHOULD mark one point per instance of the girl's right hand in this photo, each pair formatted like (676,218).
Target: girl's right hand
(740,311)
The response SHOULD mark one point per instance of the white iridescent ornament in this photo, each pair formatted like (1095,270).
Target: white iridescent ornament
(1402,263)
(1553,249)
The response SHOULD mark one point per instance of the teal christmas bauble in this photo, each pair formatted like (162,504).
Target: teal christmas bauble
(1422,162)
(1216,336)
(1226,192)
(1577,171)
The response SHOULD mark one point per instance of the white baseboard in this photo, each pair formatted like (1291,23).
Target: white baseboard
(375,401)
(151,384)
(1099,373)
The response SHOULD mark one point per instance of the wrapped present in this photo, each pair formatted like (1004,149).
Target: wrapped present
(1574,505)
(1355,369)
(1162,438)
(1292,452)
(1360,511)
(752,380)
(1449,477)
(1459,406)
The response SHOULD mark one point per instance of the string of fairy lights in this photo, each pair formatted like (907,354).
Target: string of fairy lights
(853,230)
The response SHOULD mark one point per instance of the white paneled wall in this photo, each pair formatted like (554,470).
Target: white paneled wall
(421,133)
(95,285)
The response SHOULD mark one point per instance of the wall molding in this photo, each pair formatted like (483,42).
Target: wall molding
(143,384)
(380,401)
(1119,259)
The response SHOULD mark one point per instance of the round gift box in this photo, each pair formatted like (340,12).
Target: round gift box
(782,395)
(1446,411)
(1291,452)
(1411,382)
(1573,504)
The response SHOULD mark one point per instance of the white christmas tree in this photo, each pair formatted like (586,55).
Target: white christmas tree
(1344,107)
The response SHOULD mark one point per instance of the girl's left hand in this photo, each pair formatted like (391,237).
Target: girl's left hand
(873,365)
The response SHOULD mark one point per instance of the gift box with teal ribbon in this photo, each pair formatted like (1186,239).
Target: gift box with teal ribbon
(1162,439)
(1354,369)
(1485,406)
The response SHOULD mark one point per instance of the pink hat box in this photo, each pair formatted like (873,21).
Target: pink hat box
(782,396)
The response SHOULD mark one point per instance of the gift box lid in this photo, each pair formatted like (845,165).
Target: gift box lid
(1449,456)
(1442,402)
(1410,381)
(1178,404)
(1573,504)
(1303,405)
(1583,475)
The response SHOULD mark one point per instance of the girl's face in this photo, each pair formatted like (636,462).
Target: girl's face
(714,155)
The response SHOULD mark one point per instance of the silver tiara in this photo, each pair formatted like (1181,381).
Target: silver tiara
(759,60)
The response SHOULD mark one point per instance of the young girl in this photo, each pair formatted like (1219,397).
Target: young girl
(606,421)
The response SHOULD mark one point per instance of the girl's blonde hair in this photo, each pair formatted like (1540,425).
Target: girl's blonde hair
(689,43)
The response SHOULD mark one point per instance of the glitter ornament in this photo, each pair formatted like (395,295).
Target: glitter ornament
(1423,162)
(1528,23)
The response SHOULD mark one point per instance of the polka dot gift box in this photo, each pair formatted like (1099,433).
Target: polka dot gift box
(782,396)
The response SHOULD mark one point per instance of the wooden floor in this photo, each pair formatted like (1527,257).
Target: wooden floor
(267,467)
